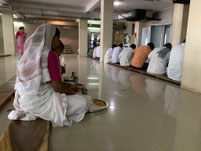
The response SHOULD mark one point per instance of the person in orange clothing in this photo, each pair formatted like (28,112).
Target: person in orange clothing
(140,56)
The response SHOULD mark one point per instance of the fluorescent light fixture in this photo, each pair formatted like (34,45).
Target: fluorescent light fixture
(93,78)
(94,22)
(94,29)
(117,3)
(16,23)
(93,84)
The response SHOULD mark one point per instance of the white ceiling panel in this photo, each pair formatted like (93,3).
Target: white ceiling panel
(68,5)
(143,4)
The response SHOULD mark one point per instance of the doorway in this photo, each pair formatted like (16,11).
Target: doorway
(160,34)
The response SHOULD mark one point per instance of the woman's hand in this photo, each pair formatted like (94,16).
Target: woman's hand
(74,88)
(63,70)
(60,87)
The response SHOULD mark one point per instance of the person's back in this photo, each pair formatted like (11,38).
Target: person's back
(175,66)
(95,52)
(115,54)
(98,52)
(140,56)
(126,56)
(157,64)
(108,55)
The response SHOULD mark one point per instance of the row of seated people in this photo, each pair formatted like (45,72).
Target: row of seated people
(161,61)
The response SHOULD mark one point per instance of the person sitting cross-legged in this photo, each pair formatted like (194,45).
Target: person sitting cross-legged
(140,56)
(39,90)
(175,66)
(126,55)
(96,53)
(158,59)
(116,52)
(108,54)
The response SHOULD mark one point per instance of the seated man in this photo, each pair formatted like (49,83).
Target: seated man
(108,54)
(126,55)
(96,53)
(116,52)
(91,51)
(175,66)
(158,59)
(140,56)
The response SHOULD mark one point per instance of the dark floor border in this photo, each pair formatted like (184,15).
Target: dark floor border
(162,77)
(92,58)
(4,55)
(7,91)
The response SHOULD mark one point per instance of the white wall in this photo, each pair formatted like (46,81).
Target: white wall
(166,17)
(1,39)
(68,36)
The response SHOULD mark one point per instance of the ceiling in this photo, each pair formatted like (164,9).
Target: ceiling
(63,5)
(155,5)
(79,8)
(82,5)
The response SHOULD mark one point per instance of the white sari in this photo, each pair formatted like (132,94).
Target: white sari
(35,96)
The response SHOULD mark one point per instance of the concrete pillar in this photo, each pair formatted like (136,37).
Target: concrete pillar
(180,22)
(83,37)
(106,26)
(192,63)
(8,33)
(138,33)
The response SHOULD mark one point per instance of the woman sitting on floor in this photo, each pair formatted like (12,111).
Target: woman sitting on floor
(158,59)
(39,89)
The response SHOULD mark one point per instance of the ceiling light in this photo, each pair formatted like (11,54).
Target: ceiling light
(117,3)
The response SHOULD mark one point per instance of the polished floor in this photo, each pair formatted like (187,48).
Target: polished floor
(144,114)
(7,68)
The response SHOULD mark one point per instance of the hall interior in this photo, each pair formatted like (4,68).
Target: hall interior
(145,112)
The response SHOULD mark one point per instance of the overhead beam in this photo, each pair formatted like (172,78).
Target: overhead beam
(93,5)
(41,5)
(45,12)
(3,2)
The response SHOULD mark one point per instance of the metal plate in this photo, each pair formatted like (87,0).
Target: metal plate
(98,105)
(68,79)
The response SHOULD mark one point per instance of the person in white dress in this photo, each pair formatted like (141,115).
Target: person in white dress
(175,66)
(116,52)
(126,55)
(108,54)
(96,53)
(36,93)
(158,60)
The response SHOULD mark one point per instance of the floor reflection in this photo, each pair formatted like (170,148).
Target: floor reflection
(142,110)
